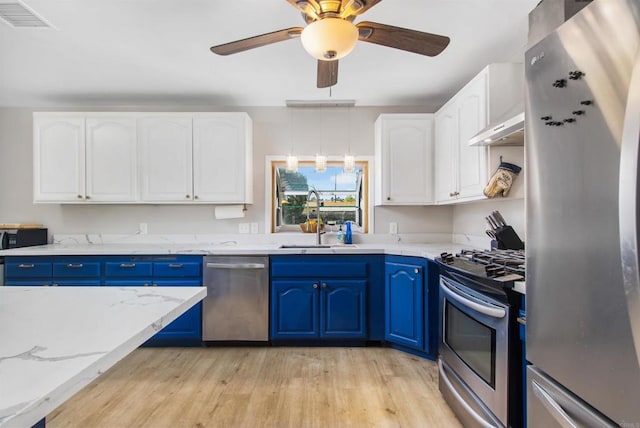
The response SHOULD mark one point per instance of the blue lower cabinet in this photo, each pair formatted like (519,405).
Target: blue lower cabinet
(411,304)
(294,310)
(307,309)
(343,309)
(404,288)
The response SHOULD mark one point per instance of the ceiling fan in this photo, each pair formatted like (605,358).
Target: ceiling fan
(330,35)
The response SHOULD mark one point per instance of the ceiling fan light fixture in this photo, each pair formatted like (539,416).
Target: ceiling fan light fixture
(329,38)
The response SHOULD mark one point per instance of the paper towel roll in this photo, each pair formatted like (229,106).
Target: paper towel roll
(229,211)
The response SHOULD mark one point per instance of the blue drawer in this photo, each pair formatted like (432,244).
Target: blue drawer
(128,269)
(181,282)
(329,269)
(176,269)
(44,282)
(84,282)
(134,282)
(28,270)
(76,269)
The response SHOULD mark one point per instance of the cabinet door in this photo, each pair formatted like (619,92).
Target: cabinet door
(407,160)
(187,326)
(58,153)
(294,309)
(166,158)
(404,291)
(220,152)
(343,309)
(472,161)
(446,121)
(111,159)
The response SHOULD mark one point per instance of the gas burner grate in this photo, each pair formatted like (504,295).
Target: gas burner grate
(497,262)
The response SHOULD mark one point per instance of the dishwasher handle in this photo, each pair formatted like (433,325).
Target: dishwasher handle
(211,265)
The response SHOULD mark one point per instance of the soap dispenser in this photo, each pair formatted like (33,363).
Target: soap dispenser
(347,233)
(340,236)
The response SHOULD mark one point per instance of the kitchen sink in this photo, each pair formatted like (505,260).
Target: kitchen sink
(302,246)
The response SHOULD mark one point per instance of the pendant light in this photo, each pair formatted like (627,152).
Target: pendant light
(292,160)
(349,158)
(321,160)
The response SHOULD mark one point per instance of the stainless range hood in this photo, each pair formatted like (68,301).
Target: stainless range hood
(508,131)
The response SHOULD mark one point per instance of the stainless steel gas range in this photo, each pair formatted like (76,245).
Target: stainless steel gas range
(480,360)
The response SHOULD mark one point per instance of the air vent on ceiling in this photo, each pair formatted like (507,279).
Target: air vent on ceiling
(19,15)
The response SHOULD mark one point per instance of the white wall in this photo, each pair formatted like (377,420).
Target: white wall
(276,131)
(468,219)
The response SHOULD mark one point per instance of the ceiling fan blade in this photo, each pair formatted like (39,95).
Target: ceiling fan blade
(327,73)
(402,38)
(257,41)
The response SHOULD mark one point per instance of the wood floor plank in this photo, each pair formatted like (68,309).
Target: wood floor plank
(261,387)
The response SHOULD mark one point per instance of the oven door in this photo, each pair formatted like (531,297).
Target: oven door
(474,343)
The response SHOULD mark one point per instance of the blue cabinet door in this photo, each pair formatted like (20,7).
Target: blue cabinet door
(343,309)
(188,325)
(404,292)
(294,309)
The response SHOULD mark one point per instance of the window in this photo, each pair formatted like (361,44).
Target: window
(343,196)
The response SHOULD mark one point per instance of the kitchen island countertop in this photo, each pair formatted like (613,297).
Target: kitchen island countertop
(56,340)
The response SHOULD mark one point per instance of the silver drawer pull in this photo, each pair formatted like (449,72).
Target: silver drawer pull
(176,265)
(26,266)
(236,265)
(127,265)
(75,265)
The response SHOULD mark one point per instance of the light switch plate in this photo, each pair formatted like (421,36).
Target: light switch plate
(243,228)
(254,228)
(393,228)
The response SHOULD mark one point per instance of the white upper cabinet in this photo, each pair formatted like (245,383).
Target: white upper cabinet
(166,158)
(222,158)
(404,159)
(111,171)
(143,158)
(462,172)
(58,158)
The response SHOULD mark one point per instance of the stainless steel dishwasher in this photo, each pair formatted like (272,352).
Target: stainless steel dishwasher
(237,304)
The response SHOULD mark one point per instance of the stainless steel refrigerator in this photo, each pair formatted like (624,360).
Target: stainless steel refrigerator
(583,290)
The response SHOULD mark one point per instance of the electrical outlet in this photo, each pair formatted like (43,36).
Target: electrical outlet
(243,228)
(254,228)
(143,228)
(393,228)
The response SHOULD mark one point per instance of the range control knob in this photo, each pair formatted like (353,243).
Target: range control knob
(546,118)
(586,102)
(569,120)
(576,75)
(560,83)
(578,112)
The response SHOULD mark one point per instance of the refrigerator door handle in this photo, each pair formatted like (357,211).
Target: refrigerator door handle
(628,204)
(553,407)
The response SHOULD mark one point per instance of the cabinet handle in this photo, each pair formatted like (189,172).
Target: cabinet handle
(127,265)
(54,285)
(88,197)
(75,265)
(315,285)
(388,198)
(26,266)
(188,196)
(146,285)
(79,196)
(176,265)
(154,285)
(324,285)
(416,270)
(195,197)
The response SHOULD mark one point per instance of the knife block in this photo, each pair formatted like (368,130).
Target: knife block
(508,239)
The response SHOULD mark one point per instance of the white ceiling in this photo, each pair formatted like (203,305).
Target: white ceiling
(156,52)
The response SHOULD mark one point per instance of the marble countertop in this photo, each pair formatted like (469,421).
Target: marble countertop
(54,341)
(428,250)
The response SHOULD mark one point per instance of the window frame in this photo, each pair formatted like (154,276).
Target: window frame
(367,190)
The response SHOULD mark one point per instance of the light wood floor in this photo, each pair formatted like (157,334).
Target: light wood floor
(261,387)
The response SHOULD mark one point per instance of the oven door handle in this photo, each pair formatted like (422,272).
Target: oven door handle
(460,399)
(471,302)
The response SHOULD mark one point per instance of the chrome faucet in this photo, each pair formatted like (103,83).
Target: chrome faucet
(318,233)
